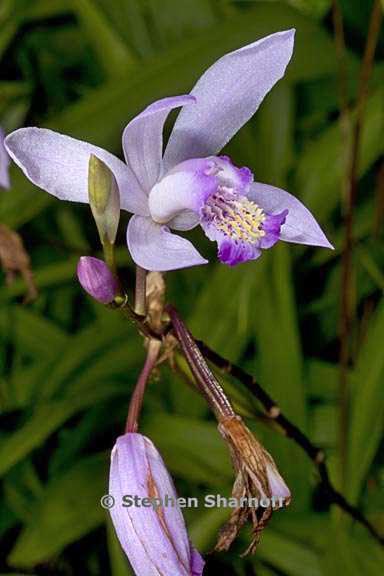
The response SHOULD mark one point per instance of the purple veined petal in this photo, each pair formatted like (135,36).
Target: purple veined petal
(154,247)
(227,95)
(4,163)
(300,226)
(59,164)
(155,541)
(143,139)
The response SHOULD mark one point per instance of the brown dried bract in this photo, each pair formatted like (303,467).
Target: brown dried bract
(14,259)
(253,466)
(155,299)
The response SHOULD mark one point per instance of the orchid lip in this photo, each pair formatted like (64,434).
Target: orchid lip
(237,217)
(216,191)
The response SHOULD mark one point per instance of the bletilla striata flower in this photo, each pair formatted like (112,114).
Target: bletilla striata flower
(4,163)
(155,537)
(190,184)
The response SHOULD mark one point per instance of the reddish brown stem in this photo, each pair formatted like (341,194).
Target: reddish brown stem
(138,393)
(205,380)
(346,319)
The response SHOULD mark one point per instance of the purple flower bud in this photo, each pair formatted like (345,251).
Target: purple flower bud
(97,279)
(148,522)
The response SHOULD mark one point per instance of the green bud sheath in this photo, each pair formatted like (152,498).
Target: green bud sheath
(104,199)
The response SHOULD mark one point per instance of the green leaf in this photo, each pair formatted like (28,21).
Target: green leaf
(113,53)
(118,560)
(69,508)
(33,333)
(44,421)
(367,411)
(322,164)
(280,363)
(293,559)
(192,449)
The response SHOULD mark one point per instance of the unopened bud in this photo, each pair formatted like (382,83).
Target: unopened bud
(153,537)
(104,199)
(97,279)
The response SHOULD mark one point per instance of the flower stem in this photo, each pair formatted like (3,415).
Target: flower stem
(140,292)
(109,256)
(206,381)
(138,393)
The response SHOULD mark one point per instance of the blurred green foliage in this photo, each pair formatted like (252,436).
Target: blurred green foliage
(67,365)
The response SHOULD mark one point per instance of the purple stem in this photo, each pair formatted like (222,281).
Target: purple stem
(138,393)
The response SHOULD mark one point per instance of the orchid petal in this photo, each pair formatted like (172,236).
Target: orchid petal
(185,220)
(59,165)
(227,95)
(155,540)
(300,226)
(154,248)
(197,563)
(185,188)
(143,139)
(4,163)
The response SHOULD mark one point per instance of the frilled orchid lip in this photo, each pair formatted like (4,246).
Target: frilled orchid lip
(214,192)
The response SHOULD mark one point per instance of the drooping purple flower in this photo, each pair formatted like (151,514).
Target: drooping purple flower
(190,184)
(97,279)
(154,535)
(4,163)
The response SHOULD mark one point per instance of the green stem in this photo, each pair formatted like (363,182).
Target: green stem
(109,256)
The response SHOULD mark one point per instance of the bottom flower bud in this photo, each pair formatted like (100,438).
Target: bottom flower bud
(154,537)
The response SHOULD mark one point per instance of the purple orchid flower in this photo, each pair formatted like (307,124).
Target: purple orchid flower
(189,184)
(4,163)
(154,537)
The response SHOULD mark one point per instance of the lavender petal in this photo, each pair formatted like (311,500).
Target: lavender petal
(59,165)
(227,95)
(300,226)
(153,247)
(143,139)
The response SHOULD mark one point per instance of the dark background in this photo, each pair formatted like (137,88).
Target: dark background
(68,365)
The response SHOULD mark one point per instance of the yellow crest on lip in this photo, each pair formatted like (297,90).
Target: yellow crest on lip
(237,217)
